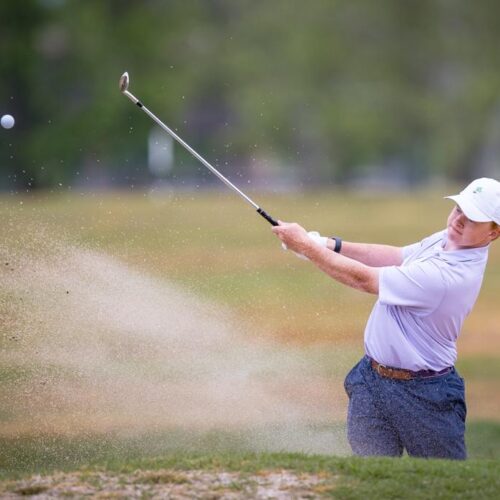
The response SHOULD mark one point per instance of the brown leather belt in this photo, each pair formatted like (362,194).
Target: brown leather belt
(400,374)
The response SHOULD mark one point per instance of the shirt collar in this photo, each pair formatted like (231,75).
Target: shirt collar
(462,255)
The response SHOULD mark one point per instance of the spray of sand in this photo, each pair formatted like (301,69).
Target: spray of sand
(92,345)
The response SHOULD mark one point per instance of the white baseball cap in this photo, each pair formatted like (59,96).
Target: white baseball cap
(480,200)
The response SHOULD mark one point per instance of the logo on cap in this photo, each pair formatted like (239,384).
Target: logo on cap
(478,190)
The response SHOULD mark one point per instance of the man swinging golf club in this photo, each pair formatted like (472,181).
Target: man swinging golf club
(405,392)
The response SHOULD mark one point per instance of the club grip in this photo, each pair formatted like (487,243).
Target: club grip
(267,217)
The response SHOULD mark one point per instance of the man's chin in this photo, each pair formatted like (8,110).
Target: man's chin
(454,237)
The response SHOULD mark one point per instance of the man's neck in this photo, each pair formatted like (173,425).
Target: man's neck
(451,246)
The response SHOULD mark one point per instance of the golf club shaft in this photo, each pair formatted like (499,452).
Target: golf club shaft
(200,158)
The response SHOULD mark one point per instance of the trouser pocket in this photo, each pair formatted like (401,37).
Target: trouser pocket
(455,392)
(355,377)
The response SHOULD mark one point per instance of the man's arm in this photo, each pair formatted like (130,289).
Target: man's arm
(344,269)
(370,254)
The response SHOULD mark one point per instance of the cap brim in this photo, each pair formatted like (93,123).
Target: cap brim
(469,209)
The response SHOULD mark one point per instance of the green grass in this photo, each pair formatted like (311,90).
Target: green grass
(44,454)
(479,367)
(355,477)
(483,440)
(346,477)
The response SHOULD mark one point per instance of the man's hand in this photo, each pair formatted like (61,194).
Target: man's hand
(317,238)
(341,268)
(295,238)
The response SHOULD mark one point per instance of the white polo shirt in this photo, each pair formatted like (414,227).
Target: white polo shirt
(422,305)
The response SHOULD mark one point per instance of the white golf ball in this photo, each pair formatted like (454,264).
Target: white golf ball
(7,121)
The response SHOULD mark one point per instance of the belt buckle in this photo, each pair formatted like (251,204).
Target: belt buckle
(389,372)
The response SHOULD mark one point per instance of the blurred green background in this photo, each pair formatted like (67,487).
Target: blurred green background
(277,92)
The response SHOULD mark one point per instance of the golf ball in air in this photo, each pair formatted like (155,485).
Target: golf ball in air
(7,121)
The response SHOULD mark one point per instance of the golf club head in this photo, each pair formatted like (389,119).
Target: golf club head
(124,81)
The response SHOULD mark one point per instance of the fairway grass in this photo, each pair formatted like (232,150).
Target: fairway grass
(213,248)
(217,248)
(21,456)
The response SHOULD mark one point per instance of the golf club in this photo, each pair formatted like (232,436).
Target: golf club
(124,83)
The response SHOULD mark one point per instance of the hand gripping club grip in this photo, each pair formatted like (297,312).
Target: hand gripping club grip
(266,216)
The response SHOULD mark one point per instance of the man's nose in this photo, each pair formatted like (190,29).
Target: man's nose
(461,219)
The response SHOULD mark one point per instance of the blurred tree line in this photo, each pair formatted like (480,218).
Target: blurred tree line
(329,89)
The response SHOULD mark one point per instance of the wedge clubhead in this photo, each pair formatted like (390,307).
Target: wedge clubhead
(124,81)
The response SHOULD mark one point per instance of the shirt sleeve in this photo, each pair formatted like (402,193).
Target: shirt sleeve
(419,285)
(411,249)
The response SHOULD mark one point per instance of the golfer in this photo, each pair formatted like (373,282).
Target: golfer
(405,392)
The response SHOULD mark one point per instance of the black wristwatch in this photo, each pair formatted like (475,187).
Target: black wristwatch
(338,243)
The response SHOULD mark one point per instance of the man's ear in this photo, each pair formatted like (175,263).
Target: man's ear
(495,233)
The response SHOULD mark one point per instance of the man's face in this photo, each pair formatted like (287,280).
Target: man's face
(465,233)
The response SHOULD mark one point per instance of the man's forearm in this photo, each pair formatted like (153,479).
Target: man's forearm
(371,254)
(344,269)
